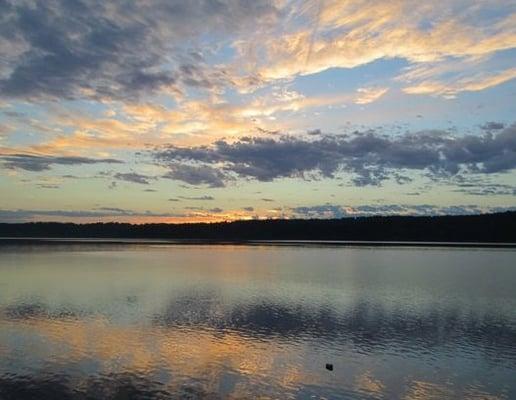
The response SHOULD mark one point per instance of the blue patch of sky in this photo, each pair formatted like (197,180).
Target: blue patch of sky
(344,80)
(503,58)
(214,51)
(492,13)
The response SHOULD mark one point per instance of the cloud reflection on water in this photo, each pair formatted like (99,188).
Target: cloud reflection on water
(92,328)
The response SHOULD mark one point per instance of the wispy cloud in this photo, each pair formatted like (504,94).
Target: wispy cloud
(368,95)
(23,215)
(355,33)
(467,84)
(197,198)
(30,162)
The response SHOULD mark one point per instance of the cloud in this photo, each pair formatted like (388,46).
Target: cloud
(320,211)
(352,33)
(197,198)
(338,211)
(250,209)
(369,95)
(474,83)
(486,189)
(38,163)
(195,175)
(133,177)
(23,215)
(115,210)
(118,50)
(370,157)
(62,49)
(48,186)
(493,126)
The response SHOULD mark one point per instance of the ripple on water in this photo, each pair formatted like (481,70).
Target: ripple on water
(183,324)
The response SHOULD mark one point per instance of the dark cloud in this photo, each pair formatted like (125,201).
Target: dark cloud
(486,189)
(320,211)
(30,162)
(339,211)
(199,198)
(118,49)
(216,210)
(268,200)
(48,186)
(133,177)
(173,199)
(493,126)
(248,209)
(115,210)
(196,174)
(267,131)
(370,157)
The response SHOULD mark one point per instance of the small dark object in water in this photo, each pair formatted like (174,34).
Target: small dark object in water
(329,367)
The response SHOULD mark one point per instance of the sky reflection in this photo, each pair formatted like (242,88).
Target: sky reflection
(157,327)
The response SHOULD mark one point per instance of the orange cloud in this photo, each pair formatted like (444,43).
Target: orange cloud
(470,84)
(348,34)
(369,95)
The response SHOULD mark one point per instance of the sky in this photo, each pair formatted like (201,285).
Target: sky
(216,110)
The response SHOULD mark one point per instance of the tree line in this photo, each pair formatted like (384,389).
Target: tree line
(495,228)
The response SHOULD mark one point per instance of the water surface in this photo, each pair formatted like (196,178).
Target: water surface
(134,321)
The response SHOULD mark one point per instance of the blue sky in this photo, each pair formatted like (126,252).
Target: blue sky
(213,110)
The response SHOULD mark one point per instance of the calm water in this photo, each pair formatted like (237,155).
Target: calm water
(144,322)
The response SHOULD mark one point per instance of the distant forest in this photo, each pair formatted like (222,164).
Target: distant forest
(494,228)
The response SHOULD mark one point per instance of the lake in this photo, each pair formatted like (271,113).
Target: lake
(94,321)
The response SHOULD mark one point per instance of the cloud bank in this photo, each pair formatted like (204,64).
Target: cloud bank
(338,211)
(38,163)
(117,49)
(370,157)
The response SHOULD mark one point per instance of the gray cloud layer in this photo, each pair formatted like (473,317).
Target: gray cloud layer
(195,174)
(337,211)
(133,177)
(120,49)
(197,198)
(369,156)
(35,163)
(317,211)
(21,215)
